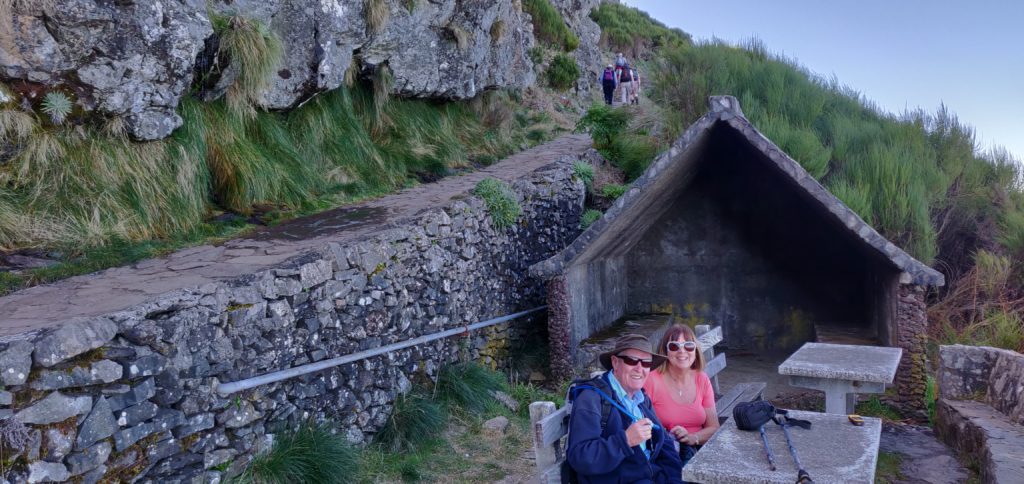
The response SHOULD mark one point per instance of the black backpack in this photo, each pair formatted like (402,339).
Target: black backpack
(569,475)
(626,75)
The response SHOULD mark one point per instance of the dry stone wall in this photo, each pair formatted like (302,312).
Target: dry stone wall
(133,393)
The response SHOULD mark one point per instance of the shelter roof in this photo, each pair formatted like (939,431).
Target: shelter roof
(625,223)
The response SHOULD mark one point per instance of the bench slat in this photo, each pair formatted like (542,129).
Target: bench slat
(714,366)
(708,340)
(552,427)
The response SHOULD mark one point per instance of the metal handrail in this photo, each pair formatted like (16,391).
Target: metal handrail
(237,386)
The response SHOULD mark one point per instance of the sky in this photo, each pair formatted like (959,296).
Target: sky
(900,54)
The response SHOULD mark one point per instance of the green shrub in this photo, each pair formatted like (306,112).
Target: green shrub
(563,72)
(604,123)
(536,54)
(613,190)
(415,420)
(549,26)
(501,201)
(875,408)
(632,154)
(589,217)
(468,385)
(311,454)
(584,171)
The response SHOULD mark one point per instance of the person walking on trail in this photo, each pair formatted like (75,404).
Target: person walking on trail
(620,60)
(626,83)
(607,79)
(634,97)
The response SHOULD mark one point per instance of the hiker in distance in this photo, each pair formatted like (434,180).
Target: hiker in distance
(607,79)
(626,83)
(681,392)
(614,434)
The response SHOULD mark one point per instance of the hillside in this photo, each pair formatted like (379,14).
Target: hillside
(917,177)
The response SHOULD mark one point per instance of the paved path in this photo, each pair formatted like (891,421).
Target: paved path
(119,288)
(924,458)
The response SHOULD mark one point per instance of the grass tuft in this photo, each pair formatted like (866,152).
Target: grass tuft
(377,15)
(310,454)
(501,201)
(584,171)
(497,31)
(589,217)
(415,420)
(256,50)
(460,35)
(613,191)
(468,385)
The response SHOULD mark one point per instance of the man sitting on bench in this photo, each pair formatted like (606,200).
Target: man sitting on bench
(614,435)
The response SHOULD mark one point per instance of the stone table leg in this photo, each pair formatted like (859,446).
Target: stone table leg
(840,395)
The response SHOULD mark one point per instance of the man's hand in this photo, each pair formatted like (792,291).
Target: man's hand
(639,432)
(678,432)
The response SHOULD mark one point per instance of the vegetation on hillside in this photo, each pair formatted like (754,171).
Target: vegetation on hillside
(433,432)
(917,177)
(549,26)
(626,29)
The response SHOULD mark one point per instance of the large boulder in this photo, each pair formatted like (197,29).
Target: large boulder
(128,59)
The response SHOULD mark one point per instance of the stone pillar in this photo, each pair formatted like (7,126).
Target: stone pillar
(558,328)
(912,335)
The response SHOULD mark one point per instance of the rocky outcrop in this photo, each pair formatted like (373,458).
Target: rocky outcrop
(129,59)
(135,59)
(588,55)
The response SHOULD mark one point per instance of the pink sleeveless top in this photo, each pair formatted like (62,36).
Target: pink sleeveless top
(690,416)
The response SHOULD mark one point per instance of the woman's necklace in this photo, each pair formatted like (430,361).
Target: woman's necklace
(678,383)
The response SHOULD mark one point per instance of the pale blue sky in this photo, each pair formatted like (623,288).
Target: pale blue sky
(899,54)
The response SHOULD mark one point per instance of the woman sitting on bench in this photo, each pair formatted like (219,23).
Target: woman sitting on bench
(681,392)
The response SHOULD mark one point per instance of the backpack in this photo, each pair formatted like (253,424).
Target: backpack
(569,475)
(609,75)
(626,76)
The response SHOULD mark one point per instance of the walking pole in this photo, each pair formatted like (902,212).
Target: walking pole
(767,449)
(802,477)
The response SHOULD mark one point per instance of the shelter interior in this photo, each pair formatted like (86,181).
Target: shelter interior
(724,236)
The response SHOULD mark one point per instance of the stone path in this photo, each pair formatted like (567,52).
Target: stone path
(119,288)
(925,459)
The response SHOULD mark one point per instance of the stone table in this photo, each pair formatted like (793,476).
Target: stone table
(832,450)
(842,371)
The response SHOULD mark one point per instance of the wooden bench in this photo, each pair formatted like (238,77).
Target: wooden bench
(551,424)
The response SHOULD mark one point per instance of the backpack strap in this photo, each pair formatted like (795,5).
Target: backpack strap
(608,398)
(782,418)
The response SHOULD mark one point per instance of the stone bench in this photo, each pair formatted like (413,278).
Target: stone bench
(980,411)
(551,424)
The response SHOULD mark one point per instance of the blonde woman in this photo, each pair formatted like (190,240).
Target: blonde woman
(681,392)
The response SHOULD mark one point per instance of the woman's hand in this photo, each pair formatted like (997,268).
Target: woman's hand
(679,433)
(691,439)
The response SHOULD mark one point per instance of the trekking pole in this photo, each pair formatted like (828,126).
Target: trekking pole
(767,449)
(802,477)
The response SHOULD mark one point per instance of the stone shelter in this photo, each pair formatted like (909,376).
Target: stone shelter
(727,228)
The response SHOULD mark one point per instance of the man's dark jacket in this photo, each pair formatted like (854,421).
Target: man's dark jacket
(604,456)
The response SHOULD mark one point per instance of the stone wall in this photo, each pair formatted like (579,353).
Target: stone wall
(912,336)
(133,393)
(980,411)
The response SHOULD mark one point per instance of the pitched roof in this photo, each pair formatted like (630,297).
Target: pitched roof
(626,222)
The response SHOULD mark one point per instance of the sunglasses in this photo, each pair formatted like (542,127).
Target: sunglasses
(630,361)
(686,345)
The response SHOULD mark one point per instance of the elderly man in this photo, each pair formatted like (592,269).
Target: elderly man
(614,435)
